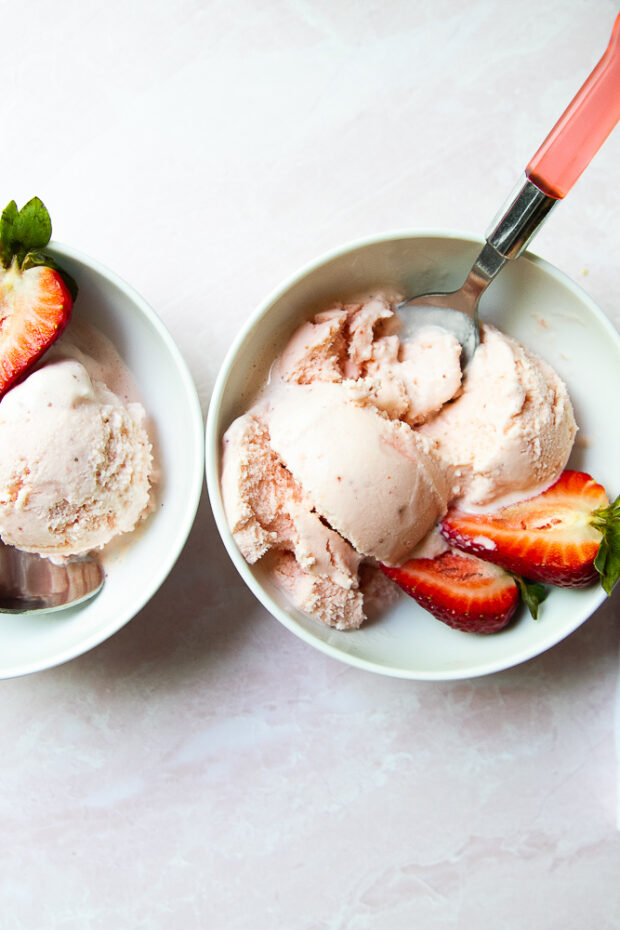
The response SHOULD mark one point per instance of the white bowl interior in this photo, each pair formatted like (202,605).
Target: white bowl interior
(139,564)
(531,301)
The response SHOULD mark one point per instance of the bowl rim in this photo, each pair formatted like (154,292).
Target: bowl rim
(194,485)
(212,459)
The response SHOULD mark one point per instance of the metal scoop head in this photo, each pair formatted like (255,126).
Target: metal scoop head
(30,583)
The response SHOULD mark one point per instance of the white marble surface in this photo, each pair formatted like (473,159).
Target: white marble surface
(204,768)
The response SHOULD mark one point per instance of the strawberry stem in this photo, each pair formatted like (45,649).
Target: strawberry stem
(23,236)
(532,592)
(607,561)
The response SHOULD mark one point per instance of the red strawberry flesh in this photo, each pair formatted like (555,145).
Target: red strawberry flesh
(35,307)
(547,538)
(463,591)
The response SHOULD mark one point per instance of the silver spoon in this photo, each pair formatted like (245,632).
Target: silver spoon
(558,163)
(30,583)
(457,311)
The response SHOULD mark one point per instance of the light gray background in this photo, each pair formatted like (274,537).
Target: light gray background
(204,768)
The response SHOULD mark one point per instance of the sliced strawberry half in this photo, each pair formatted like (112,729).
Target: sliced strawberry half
(35,307)
(461,590)
(554,537)
(36,296)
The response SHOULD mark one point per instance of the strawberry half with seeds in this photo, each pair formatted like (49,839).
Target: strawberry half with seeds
(562,536)
(36,296)
(461,590)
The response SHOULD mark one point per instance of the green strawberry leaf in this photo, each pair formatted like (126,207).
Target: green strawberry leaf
(607,561)
(7,233)
(23,235)
(32,227)
(32,259)
(22,231)
(532,592)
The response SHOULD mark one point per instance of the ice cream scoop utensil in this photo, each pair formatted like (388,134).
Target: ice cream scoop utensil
(30,583)
(550,174)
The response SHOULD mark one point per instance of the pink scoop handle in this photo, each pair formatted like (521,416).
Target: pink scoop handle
(583,127)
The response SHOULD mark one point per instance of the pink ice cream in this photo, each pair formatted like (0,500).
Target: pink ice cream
(76,463)
(357,444)
(273,520)
(510,433)
(383,508)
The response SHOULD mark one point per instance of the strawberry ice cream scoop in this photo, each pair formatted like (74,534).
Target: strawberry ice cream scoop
(510,433)
(374,480)
(358,442)
(76,463)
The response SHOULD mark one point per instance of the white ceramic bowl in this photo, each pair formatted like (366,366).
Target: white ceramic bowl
(530,300)
(141,562)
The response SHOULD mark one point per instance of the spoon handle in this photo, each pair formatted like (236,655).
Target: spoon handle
(583,127)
